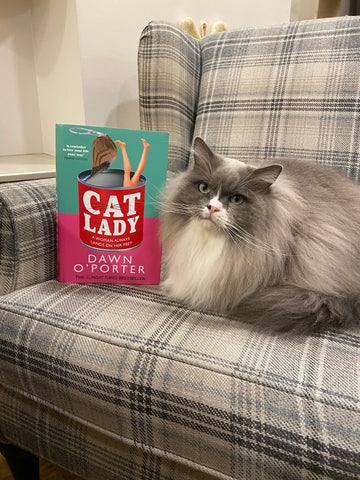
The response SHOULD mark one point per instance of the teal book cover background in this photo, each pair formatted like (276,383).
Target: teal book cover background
(73,155)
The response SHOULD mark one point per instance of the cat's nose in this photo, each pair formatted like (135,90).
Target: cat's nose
(213,209)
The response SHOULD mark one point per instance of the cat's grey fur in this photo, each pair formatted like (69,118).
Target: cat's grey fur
(283,253)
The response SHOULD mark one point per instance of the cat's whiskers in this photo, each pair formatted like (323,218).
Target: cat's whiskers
(238,233)
(241,240)
(235,233)
(177,208)
(239,243)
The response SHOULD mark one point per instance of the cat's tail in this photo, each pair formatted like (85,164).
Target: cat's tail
(290,308)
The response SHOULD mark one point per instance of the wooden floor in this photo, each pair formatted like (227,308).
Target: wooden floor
(47,471)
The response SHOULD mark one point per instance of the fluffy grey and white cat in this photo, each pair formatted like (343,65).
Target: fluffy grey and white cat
(274,245)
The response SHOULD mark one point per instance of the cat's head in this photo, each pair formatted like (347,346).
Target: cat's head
(223,194)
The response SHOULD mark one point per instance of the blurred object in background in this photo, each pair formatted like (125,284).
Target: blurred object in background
(306,9)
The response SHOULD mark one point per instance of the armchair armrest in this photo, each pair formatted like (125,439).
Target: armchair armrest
(27,233)
(169,62)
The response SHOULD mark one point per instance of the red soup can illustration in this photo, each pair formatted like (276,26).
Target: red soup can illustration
(111,216)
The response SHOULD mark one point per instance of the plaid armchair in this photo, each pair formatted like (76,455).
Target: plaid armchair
(120,382)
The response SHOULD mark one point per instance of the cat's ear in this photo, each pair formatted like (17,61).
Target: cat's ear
(204,159)
(262,178)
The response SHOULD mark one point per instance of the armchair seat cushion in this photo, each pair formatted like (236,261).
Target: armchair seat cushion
(212,394)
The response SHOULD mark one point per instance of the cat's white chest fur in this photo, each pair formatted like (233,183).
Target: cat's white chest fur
(196,264)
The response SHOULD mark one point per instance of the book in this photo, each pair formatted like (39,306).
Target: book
(108,182)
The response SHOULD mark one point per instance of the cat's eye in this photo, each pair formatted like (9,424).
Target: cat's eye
(204,188)
(236,199)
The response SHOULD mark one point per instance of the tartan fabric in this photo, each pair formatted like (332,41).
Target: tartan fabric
(284,91)
(123,364)
(119,382)
(169,64)
(28,233)
(86,451)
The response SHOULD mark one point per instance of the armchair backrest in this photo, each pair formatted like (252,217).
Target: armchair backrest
(169,62)
(291,90)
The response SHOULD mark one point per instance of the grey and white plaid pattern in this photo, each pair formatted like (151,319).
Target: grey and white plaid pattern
(84,449)
(169,79)
(284,91)
(189,387)
(28,233)
(118,382)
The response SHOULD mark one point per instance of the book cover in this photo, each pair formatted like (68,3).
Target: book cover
(108,182)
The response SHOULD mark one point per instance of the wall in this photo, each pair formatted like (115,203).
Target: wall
(306,9)
(41,76)
(109,41)
(75,61)
(20,128)
(57,64)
